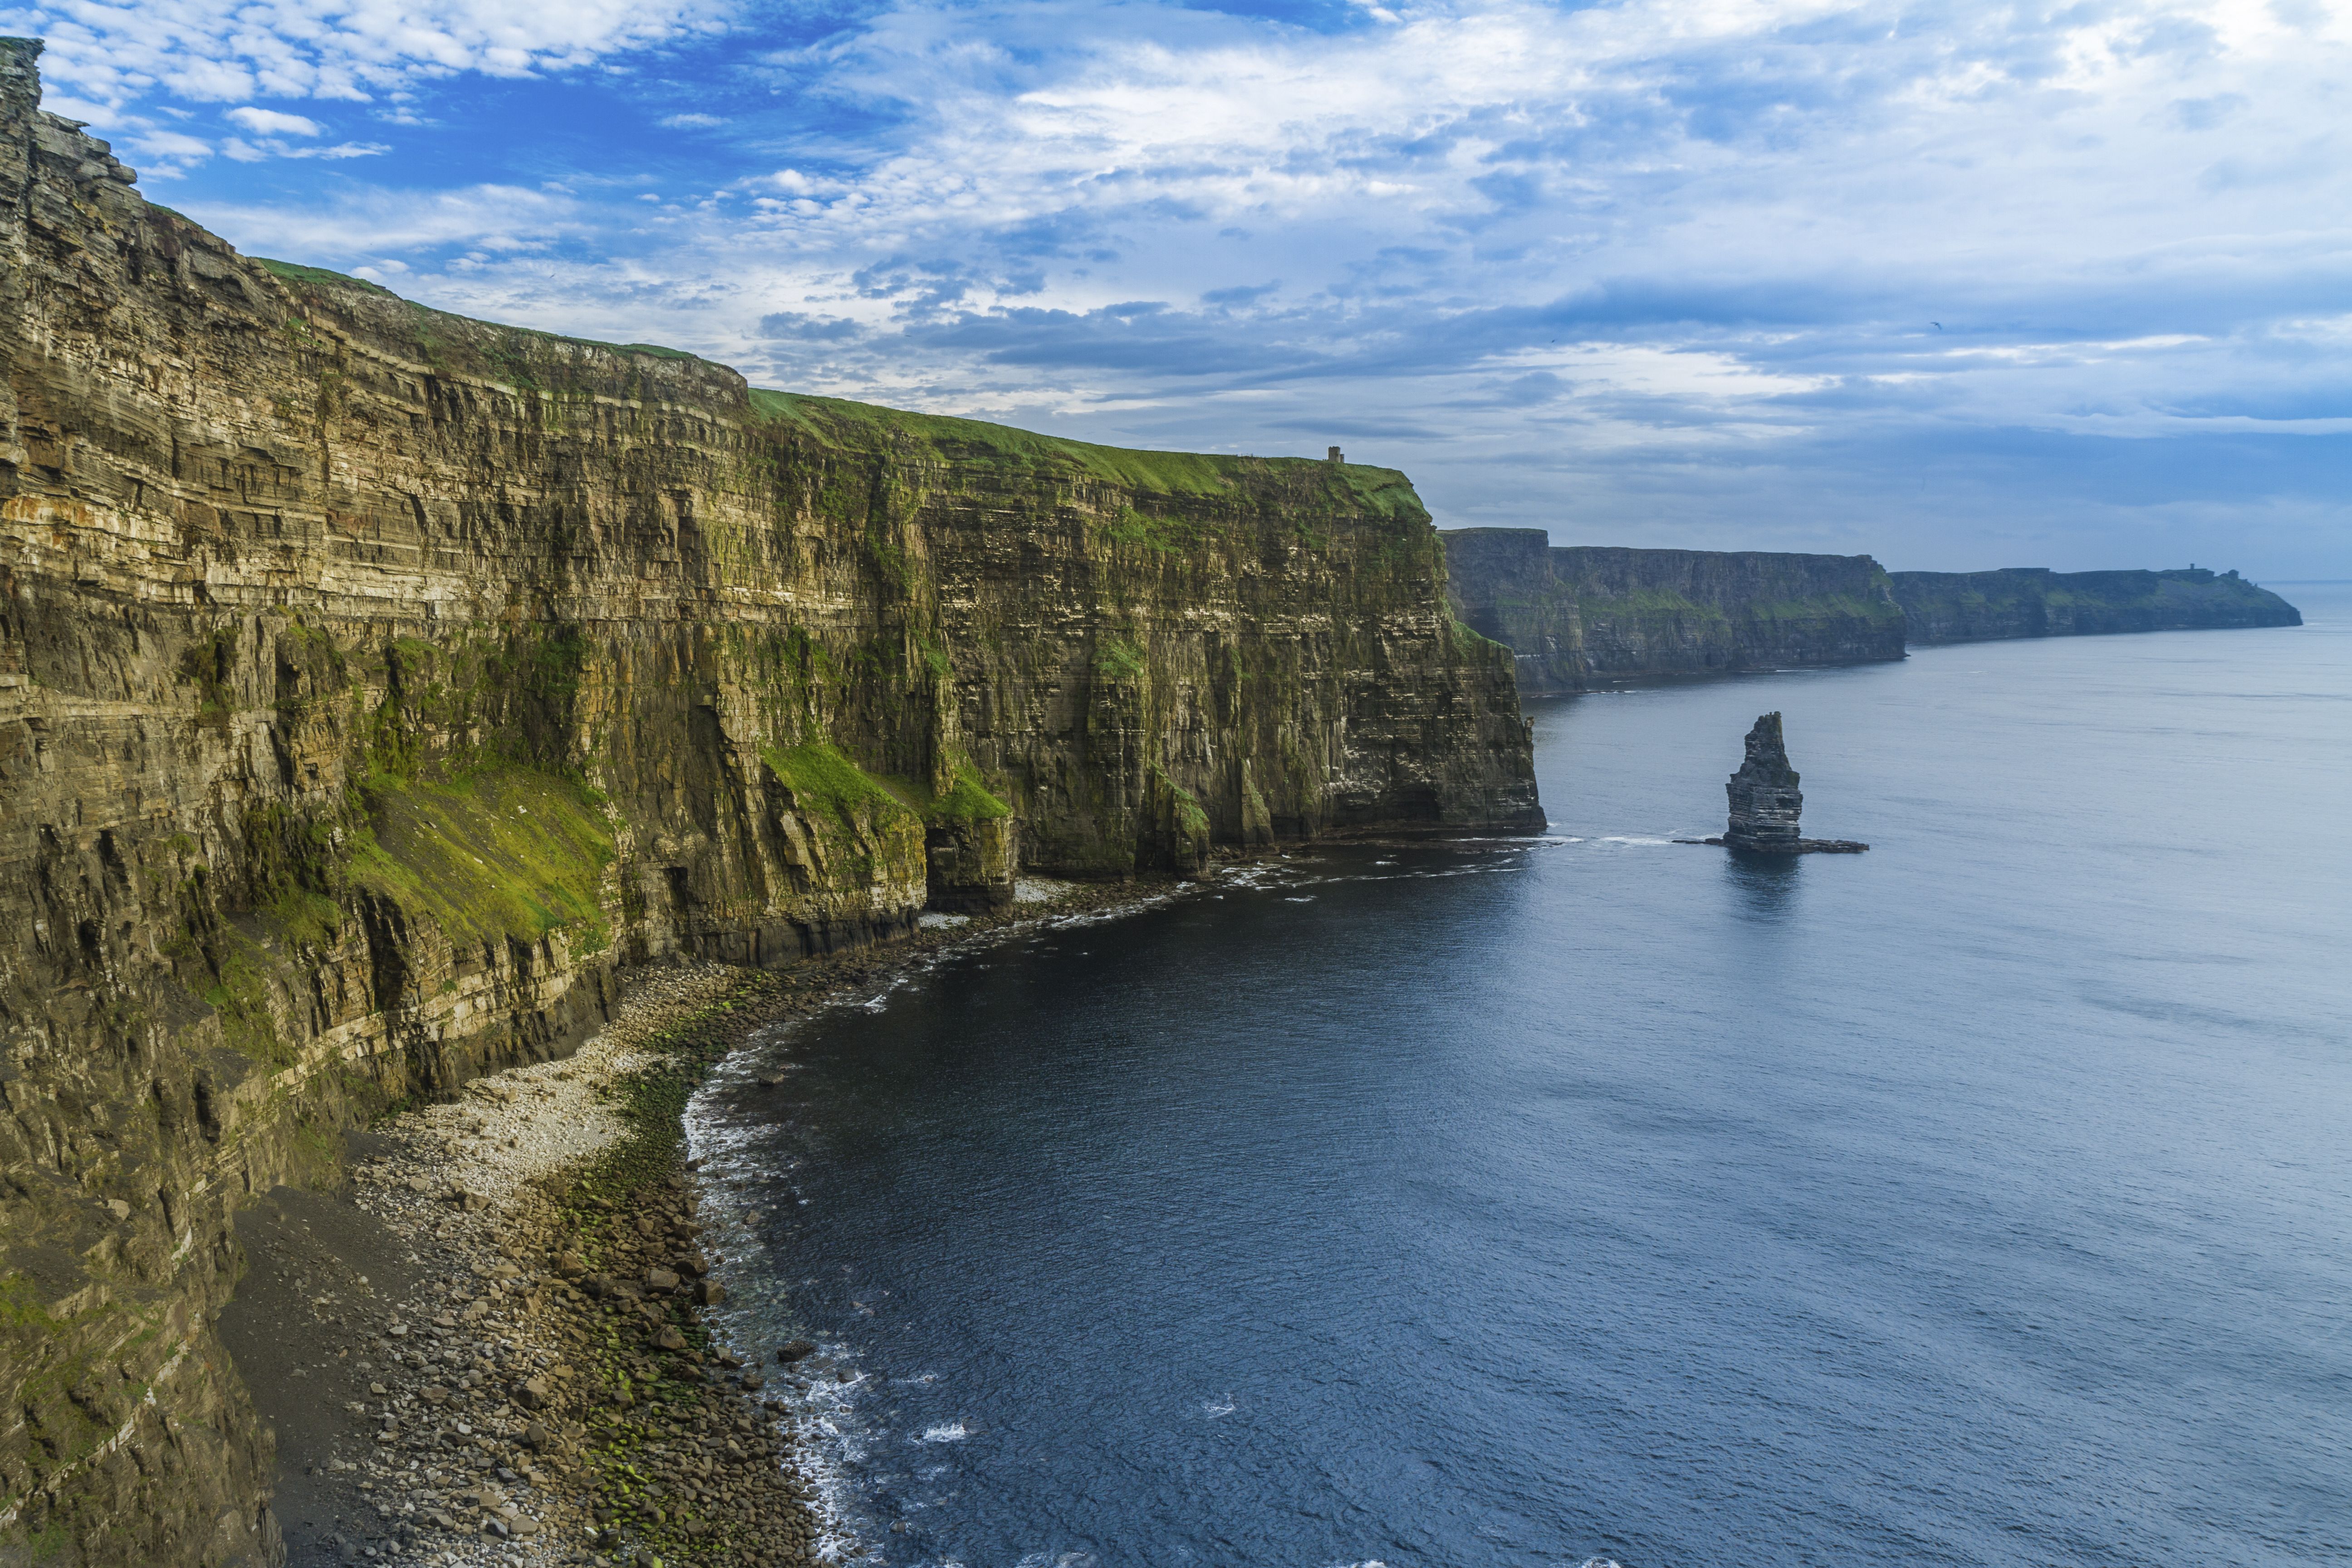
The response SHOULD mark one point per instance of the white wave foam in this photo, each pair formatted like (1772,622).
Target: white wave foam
(953,1432)
(1214,1408)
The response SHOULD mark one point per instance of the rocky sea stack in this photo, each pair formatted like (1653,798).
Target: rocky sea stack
(1766,801)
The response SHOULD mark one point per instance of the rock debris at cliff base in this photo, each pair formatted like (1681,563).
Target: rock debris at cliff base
(489,1425)
(491,1351)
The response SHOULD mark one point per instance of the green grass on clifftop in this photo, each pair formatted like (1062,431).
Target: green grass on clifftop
(839,422)
(319,277)
(296,273)
(842,422)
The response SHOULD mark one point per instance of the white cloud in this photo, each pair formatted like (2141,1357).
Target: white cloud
(502,219)
(691,121)
(114,53)
(171,144)
(271,122)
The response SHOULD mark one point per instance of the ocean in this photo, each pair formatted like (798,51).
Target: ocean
(1983,1199)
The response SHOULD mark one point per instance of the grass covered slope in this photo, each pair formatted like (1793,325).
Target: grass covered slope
(849,426)
(2035,602)
(502,853)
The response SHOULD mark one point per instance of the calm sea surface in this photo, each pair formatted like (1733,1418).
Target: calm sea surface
(1983,1199)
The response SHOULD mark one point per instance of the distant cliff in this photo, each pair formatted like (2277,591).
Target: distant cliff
(2035,602)
(1579,616)
(374,682)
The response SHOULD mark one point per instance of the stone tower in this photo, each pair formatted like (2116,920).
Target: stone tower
(1765,799)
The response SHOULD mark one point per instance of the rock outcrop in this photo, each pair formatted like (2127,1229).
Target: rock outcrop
(1583,616)
(374,682)
(1766,801)
(2035,602)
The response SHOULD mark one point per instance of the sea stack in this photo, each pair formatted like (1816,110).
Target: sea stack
(1765,800)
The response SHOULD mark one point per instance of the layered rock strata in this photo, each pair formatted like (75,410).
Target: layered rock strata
(1582,616)
(1766,801)
(374,682)
(2035,602)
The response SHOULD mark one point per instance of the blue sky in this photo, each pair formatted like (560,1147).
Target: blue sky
(1961,286)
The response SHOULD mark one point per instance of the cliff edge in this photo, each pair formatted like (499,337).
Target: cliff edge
(374,682)
(1579,616)
(2035,602)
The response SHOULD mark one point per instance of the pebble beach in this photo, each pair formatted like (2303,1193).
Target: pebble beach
(491,1351)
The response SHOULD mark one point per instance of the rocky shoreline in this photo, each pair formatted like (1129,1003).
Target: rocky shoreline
(493,1349)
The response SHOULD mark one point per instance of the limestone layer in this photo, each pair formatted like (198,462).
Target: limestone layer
(1582,616)
(372,681)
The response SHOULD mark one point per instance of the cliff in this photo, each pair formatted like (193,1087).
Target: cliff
(2035,602)
(1583,616)
(372,682)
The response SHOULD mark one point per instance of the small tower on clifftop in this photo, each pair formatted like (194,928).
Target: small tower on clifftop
(1334,457)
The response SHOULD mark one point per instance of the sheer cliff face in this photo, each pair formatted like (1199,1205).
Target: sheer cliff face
(2035,602)
(1583,616)
(372,682)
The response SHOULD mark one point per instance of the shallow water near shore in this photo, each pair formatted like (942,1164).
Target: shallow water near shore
(1982,1199)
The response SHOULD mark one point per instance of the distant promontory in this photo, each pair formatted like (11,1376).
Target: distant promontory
(2035,602)
(1579,616)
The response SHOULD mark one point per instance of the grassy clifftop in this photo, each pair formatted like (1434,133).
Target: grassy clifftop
(2035,602)
(849,426)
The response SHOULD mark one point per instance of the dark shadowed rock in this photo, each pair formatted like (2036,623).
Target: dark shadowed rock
(1765,800)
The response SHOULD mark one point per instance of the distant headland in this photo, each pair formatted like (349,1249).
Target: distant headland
(1579,616)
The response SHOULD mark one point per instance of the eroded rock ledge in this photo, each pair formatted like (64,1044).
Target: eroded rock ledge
(373,682)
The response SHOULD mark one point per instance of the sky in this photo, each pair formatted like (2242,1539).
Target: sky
(1961,286)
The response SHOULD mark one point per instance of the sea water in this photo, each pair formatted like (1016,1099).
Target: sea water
(1986,1198)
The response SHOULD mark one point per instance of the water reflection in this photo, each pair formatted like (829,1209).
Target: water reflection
(1766,884)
